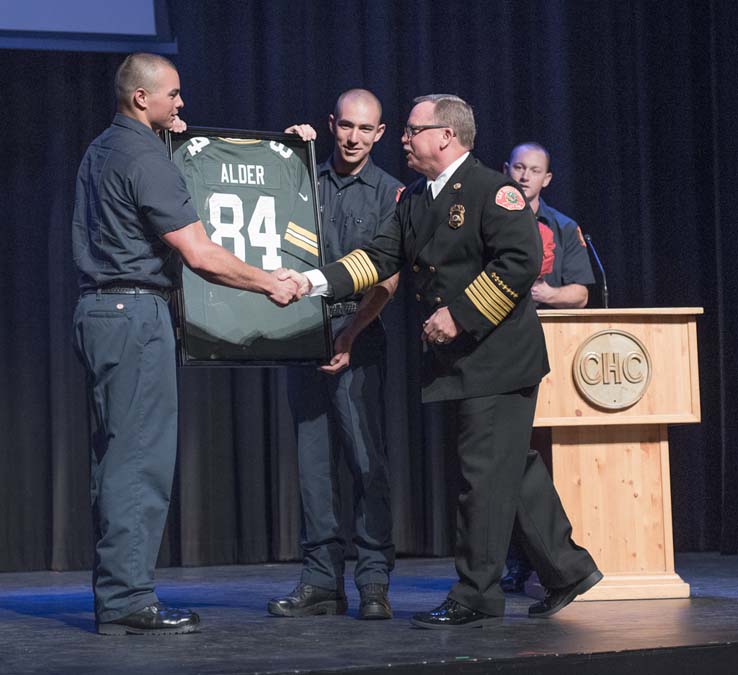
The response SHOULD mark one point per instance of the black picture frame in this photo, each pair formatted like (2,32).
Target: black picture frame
(264,168)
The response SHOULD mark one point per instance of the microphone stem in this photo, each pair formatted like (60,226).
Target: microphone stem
(602,270)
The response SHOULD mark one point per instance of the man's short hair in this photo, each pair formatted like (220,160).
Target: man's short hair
(454,112)
(138,70)
(358,93)
(533,145)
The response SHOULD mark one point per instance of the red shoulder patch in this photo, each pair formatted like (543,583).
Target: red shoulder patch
(510,198)
(399,192)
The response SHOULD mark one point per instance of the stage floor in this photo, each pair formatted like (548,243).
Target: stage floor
(47,626)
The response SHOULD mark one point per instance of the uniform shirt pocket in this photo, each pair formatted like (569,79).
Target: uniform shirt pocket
(358,231)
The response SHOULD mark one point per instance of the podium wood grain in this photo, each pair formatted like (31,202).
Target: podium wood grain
(611,467)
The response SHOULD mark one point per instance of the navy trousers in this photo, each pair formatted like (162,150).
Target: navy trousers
(126,343)
(503,484)
(344,414)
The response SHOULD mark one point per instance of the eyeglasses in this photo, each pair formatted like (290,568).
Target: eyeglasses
(411,131)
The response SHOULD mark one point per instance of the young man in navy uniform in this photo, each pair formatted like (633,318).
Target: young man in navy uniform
(132,216)
(339,410)
(475,251)
(565,286)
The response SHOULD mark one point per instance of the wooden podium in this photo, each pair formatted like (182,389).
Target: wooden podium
(618,379)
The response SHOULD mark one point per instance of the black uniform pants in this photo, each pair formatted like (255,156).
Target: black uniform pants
(502,483)
(126,343)
(334,414)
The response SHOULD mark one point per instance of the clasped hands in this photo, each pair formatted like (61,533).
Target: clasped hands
(440,328)
(288,286)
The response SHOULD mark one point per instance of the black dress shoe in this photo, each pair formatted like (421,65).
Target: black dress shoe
(309,600)
(374,602)
(453,616)
(558,598)
(514,580)
(156,619)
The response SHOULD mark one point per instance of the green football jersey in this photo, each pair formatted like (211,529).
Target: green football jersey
(255,199)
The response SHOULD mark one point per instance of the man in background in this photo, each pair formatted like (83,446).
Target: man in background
(565,286)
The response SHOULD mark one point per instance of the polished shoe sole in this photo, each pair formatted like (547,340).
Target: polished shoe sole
(489,622)
(120,629)
(318,609)
(582,587)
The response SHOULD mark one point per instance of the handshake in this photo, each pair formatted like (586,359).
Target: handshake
(287,286)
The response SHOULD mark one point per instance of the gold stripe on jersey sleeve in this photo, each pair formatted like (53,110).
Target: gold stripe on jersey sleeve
(363,272)
(301,244)
(302,238)
(296,229)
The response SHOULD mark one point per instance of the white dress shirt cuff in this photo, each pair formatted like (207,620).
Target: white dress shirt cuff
(318,282)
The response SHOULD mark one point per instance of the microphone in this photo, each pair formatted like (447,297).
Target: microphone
(602,270)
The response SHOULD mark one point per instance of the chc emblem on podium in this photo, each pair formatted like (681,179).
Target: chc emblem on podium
(612,369)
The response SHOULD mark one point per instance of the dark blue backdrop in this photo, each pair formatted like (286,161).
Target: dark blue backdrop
(635,101)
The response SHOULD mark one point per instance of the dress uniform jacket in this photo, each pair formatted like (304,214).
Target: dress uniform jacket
(476,249)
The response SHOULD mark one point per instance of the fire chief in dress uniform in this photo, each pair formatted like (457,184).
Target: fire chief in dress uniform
(475,251)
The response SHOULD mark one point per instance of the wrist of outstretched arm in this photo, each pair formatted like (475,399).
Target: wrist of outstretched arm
(259,281)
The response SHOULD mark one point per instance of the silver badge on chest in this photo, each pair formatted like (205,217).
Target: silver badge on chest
(456,216)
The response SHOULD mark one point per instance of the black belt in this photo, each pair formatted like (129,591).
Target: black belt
(342,309)
(132,289)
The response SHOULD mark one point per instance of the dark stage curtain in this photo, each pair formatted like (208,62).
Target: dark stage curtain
(637,104)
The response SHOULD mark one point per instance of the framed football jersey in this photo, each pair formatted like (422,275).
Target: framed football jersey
(256,194)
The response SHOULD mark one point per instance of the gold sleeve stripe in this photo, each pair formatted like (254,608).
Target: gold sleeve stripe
(305,246)
(490,308)
(302,232)
(492,293)
(489,299)
(368,265)
(482,307)
(363,272)
(503,285)
(361,281)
